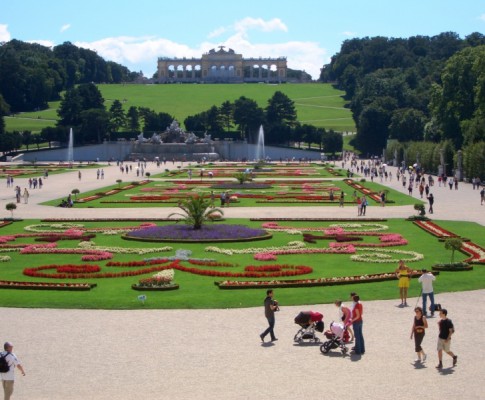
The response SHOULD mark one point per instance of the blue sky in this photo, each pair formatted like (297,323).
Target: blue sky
(307,32)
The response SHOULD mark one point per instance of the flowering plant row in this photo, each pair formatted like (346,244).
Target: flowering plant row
(476,252)
(374,196)
(434,229)
(384,255)
(271,255)
(274,271)
(227,284)
(45,285)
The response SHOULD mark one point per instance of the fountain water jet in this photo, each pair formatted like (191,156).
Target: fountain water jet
(260,145)
(70,147)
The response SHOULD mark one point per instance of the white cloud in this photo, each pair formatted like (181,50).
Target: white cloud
(217,32)
(274,24)
(65,27)
(348,33)
(46,43)
(482,17)
(143,52)
(4,33)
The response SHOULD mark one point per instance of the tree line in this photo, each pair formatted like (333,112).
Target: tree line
(31,75)
(420,89)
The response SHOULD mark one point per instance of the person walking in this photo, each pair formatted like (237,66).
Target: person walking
(26,196)
(403,273)
(8,378)
(431,202)
(482,196)
(357,323)
(420,324)
(444,338)
(270,307)
(426,280)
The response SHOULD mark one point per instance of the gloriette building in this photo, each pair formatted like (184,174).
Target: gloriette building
(221,66)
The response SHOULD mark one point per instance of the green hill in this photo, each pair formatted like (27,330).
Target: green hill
(316,104)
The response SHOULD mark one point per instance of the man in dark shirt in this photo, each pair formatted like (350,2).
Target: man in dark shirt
(270,306)
(444,339)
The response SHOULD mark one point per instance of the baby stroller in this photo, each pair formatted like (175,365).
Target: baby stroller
(335,335)
(309,322)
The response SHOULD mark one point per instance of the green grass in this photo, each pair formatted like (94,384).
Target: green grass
(316,104)
(200,292)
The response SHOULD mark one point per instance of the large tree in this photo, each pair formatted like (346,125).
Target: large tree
(248,116)
(117,117)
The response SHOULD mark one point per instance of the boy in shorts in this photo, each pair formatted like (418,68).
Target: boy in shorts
(444,339)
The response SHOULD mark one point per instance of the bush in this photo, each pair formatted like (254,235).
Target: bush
(457,266)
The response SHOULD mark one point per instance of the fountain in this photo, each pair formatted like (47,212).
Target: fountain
(70,147)
(260,145)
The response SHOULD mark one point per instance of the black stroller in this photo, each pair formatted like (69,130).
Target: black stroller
(336,338)
(309,322)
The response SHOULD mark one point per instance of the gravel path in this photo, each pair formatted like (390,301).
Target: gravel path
(217,354)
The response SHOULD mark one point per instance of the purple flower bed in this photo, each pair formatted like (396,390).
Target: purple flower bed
(207,233)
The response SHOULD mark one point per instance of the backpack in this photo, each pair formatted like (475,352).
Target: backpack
(4,367)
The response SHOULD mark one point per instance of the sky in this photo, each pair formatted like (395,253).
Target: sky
(307,32)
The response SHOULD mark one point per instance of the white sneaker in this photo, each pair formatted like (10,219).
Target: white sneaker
(417,360)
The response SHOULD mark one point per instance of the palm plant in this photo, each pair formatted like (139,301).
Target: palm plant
(197,211)
(242,177)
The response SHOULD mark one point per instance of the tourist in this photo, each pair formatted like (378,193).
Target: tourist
(426,280)
(363,205)
(444,338)
(26,196)
(403,273)
(270,307)
(431,202)
(223,199)
(8,378)
(420,324)
(341,199)
(212,199)
(345,316)
(357,323)
(482,195)
(79,175)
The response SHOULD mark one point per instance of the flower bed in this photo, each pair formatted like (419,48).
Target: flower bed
(172,286)
(454,267)
(208,233)
(46,285)
(435,229)
(285,283)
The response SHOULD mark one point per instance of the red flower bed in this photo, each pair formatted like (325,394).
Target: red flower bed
(435,229)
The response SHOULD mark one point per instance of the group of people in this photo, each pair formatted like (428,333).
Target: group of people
(420,323)
(350,317)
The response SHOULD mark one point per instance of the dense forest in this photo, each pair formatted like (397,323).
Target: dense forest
(419,89)
(31,74)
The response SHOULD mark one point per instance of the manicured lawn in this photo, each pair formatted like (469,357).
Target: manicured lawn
(198,291)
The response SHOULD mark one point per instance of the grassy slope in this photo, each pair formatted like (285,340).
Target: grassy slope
(316,104)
